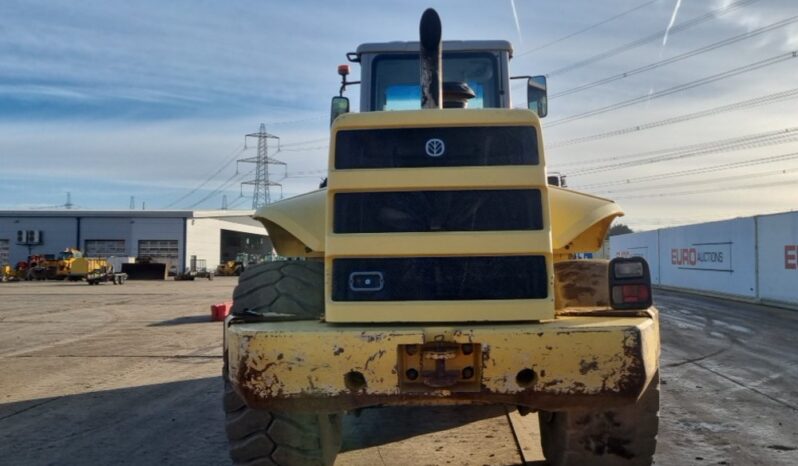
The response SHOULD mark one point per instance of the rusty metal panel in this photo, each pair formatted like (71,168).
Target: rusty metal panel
(581,283)
(572,356)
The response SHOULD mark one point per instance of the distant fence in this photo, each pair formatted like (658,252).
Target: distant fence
(754,258)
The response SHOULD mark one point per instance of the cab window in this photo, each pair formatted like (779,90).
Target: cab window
(395,79)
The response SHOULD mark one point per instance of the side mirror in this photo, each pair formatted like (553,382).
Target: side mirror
(338,107)
(536,95)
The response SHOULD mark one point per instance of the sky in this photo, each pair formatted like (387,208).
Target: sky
(108,100)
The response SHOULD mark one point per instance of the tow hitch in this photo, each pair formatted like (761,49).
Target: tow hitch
(440,365)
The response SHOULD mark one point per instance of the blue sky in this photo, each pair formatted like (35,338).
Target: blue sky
(109,99)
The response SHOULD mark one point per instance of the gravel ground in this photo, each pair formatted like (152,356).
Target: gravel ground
(130,375)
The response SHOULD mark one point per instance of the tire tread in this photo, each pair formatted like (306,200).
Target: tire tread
(624,436)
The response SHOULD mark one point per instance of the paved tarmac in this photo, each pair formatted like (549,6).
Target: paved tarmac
(130,375)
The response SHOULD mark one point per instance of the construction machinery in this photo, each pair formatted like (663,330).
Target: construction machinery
(196,269)
(8,274)
(80,268)
(436,268)
(229,268)
(34,268)
(234,267)
(59,267)
(106,276)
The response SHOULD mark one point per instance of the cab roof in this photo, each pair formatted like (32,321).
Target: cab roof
(448,46)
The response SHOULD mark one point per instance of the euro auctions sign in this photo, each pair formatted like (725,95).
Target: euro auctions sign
(703,256)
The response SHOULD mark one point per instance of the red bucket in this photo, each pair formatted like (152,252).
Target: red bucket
(221,310)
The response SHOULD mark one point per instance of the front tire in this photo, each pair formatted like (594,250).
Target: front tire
(624,436)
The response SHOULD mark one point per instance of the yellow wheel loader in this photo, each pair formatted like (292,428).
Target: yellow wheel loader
(60,267)
(7,273)
(434,269)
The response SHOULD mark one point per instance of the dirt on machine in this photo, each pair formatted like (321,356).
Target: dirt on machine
(436,267)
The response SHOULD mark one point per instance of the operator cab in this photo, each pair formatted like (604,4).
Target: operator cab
(475,75)
(390,73)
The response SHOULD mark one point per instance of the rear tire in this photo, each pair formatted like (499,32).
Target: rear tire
(281,290)
(286,290)
(259,437)
(624,436)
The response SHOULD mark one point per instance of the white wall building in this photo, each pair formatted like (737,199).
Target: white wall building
(754,258)
(169,236)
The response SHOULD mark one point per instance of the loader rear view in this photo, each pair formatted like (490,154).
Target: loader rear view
(434,269)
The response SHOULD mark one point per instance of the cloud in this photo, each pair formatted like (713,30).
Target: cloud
(110,99)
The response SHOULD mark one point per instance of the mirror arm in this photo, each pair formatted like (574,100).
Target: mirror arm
(345,83)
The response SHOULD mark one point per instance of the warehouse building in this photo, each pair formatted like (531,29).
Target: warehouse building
(751,258)
(167,236)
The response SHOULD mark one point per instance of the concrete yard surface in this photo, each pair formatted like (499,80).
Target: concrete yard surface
(131,375)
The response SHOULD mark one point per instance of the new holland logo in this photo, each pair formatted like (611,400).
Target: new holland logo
(435,147)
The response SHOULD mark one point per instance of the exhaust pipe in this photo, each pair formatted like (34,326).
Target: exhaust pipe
(430,60)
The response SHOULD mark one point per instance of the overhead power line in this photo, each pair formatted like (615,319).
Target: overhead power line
(676,58)
(303,149)
(781,133)
(238,201)
(743,104)
(302,143)
(716,13)
(225,164)
(682,87)
(306,173)
(299,120)
(224,185)
(670,186)
(586,29)
(738,187)
(691,172)
(694,150)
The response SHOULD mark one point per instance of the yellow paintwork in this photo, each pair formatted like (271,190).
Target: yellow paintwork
(301,226)
(579,222)
(83,266)
(433,243)
(571,355)
(299,222)
(595,356)
(7,272)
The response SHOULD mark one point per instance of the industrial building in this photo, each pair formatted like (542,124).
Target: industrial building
(167,236)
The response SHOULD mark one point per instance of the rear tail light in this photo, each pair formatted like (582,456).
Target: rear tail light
(630,283)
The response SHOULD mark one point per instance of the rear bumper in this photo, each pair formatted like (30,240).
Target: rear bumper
(577,361)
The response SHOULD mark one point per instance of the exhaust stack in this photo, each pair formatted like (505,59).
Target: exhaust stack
(430,60)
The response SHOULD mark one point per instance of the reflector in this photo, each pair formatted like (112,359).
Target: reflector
(628,269)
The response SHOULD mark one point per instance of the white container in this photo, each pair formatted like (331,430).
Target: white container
(777,261)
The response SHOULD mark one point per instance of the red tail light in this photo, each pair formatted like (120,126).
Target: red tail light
(630,283)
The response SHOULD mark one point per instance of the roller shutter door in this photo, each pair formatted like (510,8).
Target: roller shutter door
(105,248)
